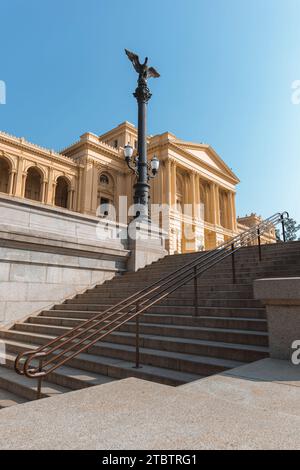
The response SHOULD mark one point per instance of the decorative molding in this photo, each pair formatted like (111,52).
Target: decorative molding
(21,142)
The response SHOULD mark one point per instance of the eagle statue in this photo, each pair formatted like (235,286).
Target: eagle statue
(143,70)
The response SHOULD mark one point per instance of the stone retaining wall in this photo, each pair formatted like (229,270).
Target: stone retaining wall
(48,254)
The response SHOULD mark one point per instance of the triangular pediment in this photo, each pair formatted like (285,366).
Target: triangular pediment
(207,155)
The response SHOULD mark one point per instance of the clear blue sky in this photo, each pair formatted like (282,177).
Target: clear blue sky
(226,67)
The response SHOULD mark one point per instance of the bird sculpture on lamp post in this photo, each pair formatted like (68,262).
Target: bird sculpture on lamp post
(143,170)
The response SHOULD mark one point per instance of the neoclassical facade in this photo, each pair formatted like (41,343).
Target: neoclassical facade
(196,188)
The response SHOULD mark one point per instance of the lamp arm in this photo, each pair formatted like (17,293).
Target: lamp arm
(151,176)
(132,168)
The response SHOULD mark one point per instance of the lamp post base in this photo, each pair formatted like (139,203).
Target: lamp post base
(146,242)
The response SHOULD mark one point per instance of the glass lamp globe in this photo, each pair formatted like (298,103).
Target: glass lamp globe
(128,151)
(154,164)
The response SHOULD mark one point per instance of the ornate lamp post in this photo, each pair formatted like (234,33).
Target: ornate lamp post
(140,166)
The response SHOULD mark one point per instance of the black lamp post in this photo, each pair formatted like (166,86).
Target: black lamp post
(140,166)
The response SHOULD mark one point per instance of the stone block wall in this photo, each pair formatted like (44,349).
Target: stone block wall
(49,254)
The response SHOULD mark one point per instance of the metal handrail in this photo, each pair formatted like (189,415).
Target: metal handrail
(79,339)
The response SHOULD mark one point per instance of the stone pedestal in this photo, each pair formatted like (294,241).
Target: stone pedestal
(146,242)
(282,299)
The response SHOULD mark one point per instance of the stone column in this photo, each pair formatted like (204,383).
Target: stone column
(215,206)
(49,197)
(54,185)
(19,178)
(79,201)
(217,196)
(161,183)
(11,182)
(197,196)
(229,215)
(117,192)
(23,184)
(233,212)
(173,191)
(168,184)
(43,191)
(87,188)
(70,202)
(193,200)
(94,189)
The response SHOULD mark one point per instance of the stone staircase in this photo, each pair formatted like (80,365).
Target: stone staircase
(175,346)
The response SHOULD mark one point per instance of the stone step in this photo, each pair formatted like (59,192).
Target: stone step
(102,289)
(9,399)
(238,258)
(178,294)
(203,333)
(207,280)
(25,387)
(114,368)
(92,310)
(182,320)
(241,276)
(175,346)
(183,259)
(209,311)
(240,255)
(226,265)
(226,262)
(223,266)
(68,377)
(209,302)
(238,352)
(127,351)
(208,321)
(176,331)
(120,360)
(248,250)
(226,350)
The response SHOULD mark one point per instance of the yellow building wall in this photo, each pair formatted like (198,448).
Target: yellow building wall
(93,170)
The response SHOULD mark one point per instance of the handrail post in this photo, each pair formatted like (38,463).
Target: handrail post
(39,384)
(233,264)
(195,292)
(259,244)
(283,228)
(137,340)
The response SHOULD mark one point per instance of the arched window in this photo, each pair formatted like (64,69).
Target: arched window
(104,179)
(105,194)
(33,184)
(62,192)
(4,175)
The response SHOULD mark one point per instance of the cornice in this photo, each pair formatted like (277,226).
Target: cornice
(91,145)
(111,166)
(24,145)
(126,125)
